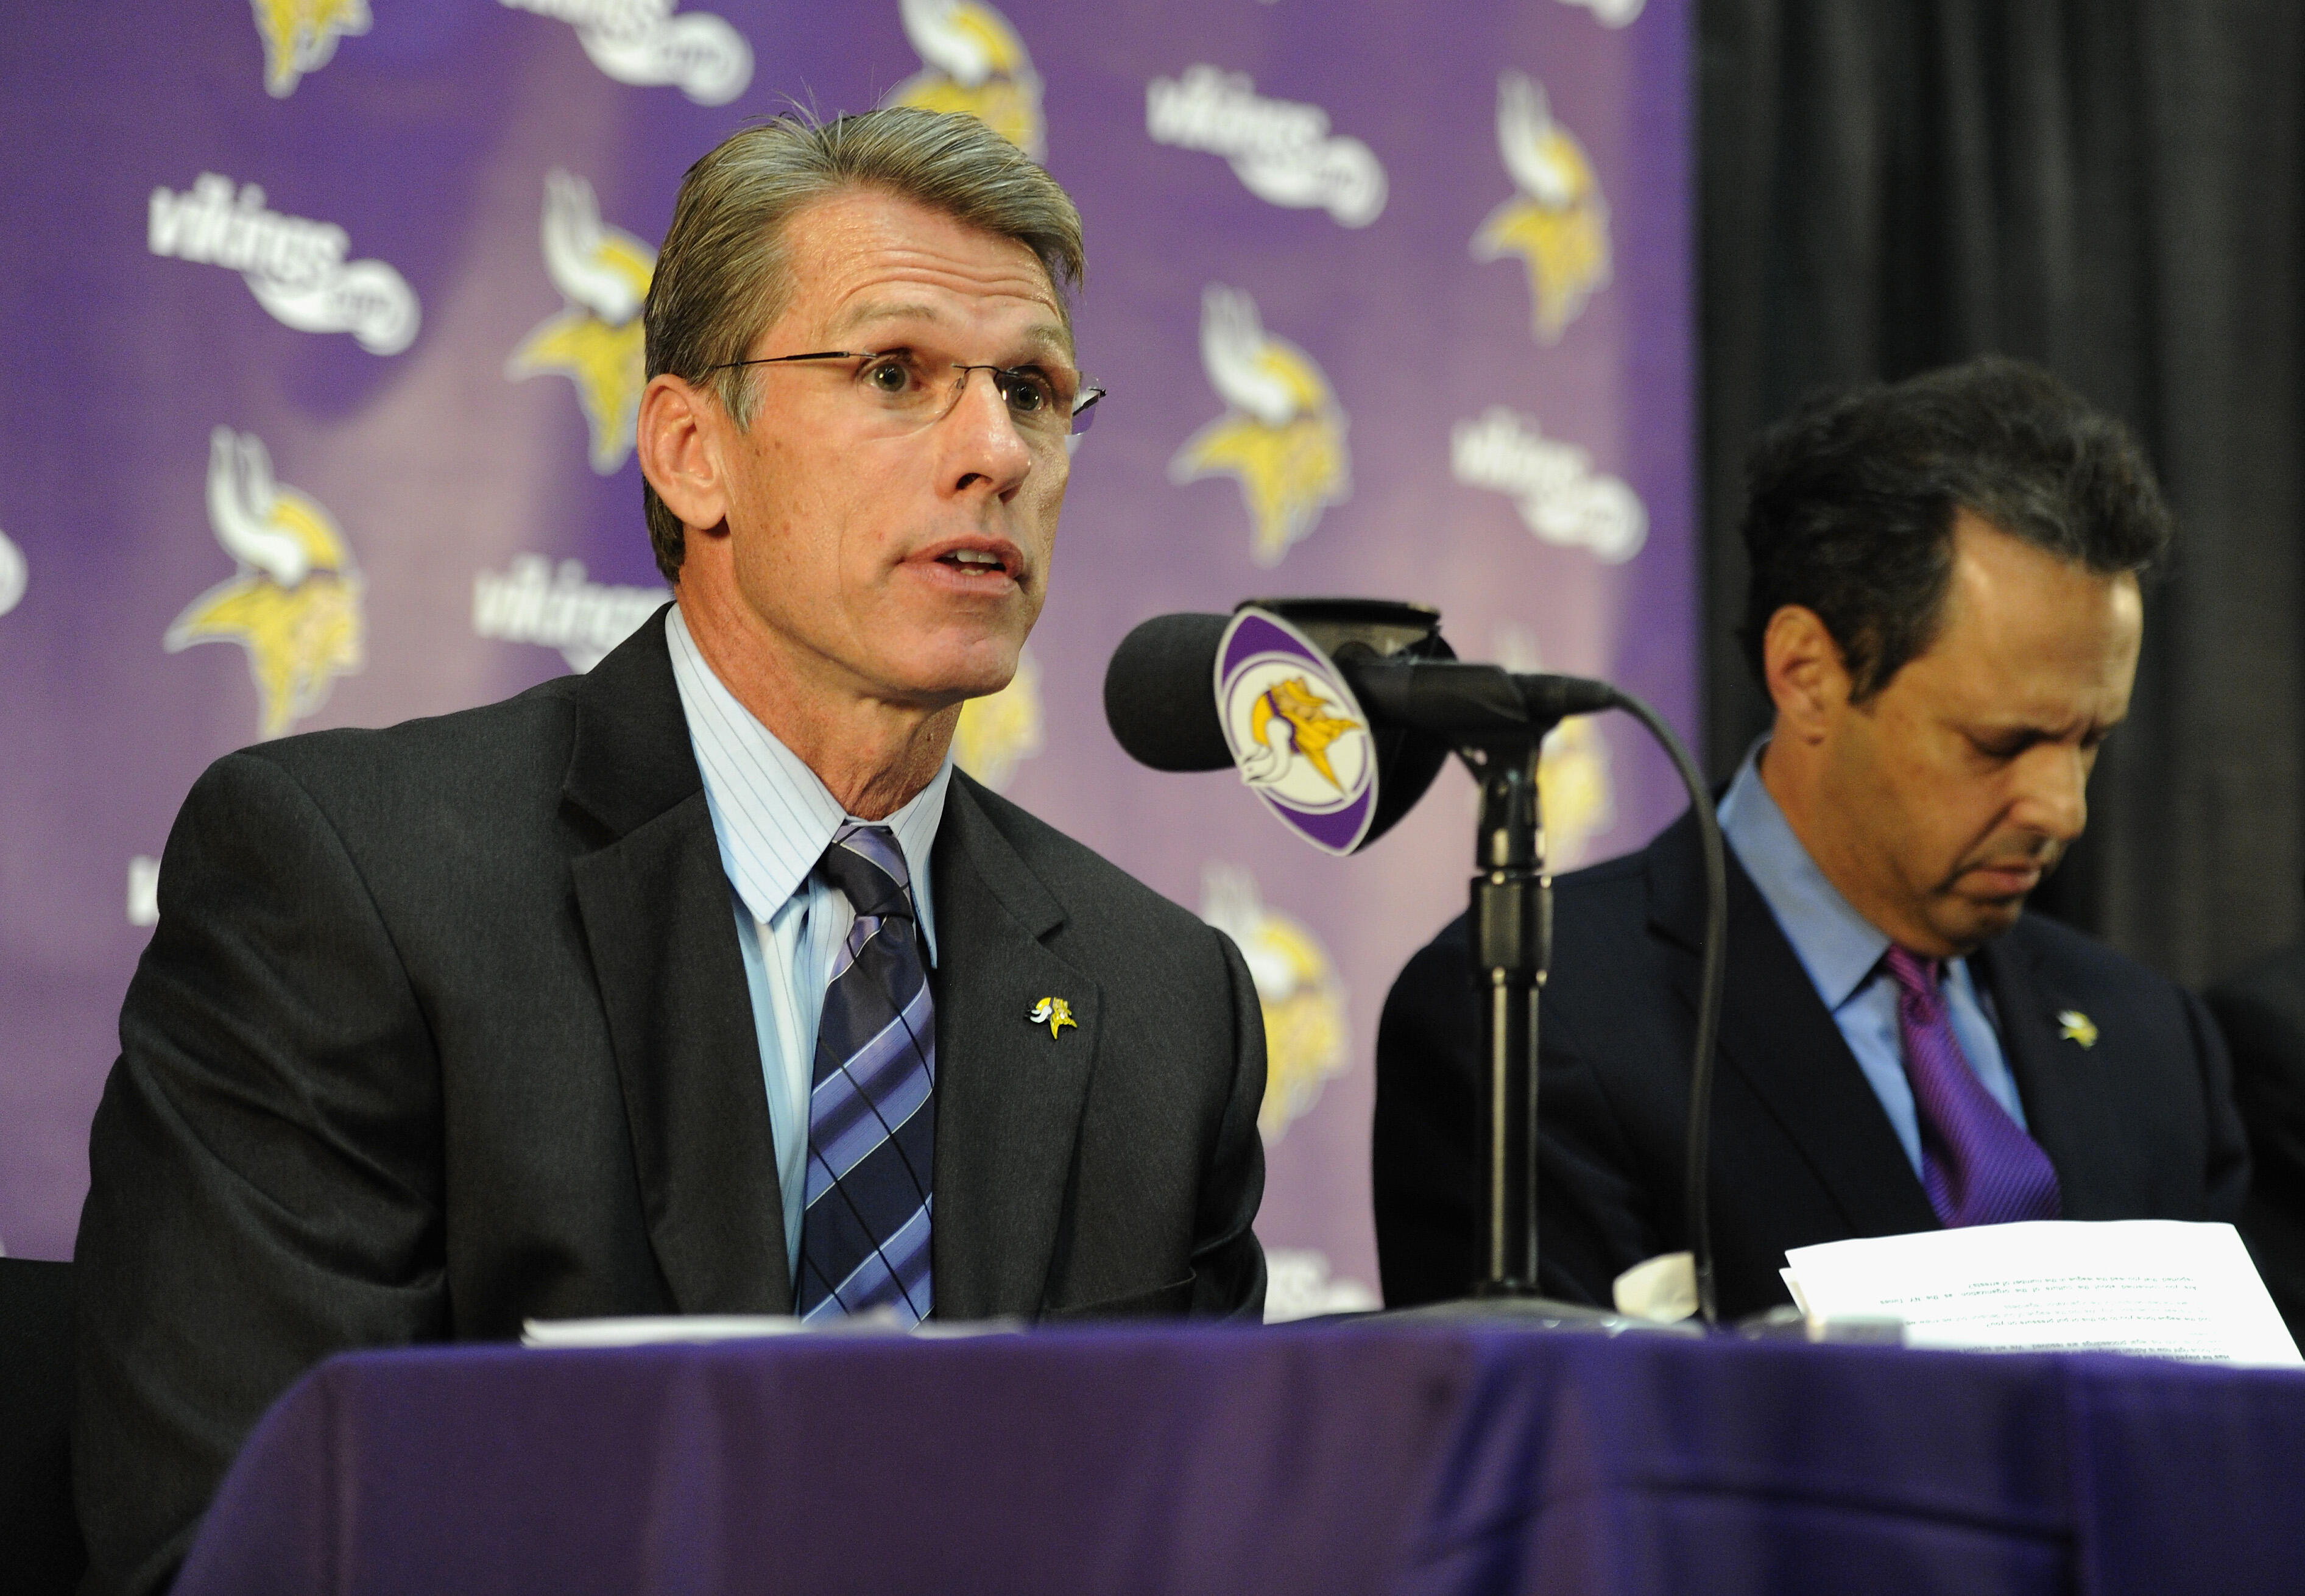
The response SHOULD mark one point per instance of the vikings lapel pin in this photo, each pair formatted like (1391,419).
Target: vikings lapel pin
(1054,1012)
(2074,1026)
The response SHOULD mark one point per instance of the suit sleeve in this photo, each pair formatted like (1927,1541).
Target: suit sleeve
(1228,1263)
(264,1165)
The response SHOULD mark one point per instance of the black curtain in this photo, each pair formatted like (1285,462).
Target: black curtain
(2111,188)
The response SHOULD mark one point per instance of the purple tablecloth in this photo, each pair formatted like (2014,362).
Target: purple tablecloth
(1333,1458)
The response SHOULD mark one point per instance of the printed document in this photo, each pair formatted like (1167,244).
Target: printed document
(2157,1286)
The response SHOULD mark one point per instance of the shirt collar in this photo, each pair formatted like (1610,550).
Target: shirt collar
(771,814)
(1837,946)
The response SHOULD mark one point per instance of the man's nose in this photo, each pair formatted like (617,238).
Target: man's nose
(981,436)
(2052,791)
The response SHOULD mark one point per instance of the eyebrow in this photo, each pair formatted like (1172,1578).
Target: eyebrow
(1049,336)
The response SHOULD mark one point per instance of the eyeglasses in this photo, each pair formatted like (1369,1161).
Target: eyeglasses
(904,388)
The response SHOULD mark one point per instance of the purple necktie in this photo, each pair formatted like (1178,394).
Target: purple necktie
(1977,1164)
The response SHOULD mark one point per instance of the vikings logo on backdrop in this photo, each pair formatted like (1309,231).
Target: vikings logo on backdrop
(1561,498)
(300,36)
(1306,1039)
(295,265)
(532,602)
(642,42)
(973,60)
(294,604)
(597,342)
(1282,436)
(1282,151)
(1559,223)
(1001,729)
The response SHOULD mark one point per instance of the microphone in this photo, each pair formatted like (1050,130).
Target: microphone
(1158,702)
(1163,697)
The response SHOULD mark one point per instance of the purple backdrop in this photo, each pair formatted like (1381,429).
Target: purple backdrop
(318,321)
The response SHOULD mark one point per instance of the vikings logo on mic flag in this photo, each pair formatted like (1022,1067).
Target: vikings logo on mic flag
(1296,733)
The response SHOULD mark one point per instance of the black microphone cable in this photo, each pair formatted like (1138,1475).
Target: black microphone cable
(1714,978)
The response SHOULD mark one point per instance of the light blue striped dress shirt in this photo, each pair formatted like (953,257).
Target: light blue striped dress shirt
(1842,952)
(774,819)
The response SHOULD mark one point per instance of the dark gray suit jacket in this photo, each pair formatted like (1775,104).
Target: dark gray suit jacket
(2139,1125)
(446,1026)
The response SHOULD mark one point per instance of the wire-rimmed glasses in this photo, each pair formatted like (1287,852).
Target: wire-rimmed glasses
(905,387)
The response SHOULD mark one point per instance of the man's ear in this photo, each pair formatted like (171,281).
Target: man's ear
(1807,678)
(679,442)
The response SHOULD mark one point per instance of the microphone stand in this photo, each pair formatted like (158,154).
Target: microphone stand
(1497,724)
(1511,930)
(1500,735)
(1511,926)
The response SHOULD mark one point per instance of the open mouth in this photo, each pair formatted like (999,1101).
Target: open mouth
(978,560)
(989,562)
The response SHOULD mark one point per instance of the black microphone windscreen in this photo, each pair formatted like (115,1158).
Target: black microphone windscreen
(1160,693)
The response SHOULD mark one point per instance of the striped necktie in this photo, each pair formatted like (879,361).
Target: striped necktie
(871,1111)
(1977,1164)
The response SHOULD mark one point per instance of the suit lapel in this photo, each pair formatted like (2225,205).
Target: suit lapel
(659,920)
(1778,1037)
(2067,1110)
(1009,1094)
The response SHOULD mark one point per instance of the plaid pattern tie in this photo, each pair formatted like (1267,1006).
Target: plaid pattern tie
(1977,1164)
(871,1113)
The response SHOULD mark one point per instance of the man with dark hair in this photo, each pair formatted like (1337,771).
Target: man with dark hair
(701,983)
(1945,610)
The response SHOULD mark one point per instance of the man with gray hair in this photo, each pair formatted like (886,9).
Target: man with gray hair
(702,983)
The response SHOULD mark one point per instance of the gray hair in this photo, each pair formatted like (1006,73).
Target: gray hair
(724,274)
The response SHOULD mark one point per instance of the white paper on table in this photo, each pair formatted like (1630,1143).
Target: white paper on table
(656,1330)
(2157,1286)
(659,1329)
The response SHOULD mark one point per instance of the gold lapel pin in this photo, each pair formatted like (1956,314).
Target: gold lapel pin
(2074,1026)
(1054,1012)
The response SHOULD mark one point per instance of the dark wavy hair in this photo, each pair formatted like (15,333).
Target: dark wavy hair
(1852,499)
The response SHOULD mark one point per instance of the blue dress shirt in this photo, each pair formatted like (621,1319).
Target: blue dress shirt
(774,818)
(1843,951)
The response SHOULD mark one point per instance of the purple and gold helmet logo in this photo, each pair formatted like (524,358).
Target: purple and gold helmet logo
(1558,221)
(1282,434)
(1297,735)
(300,36)
(596,341)
(972,62)
(294,602)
